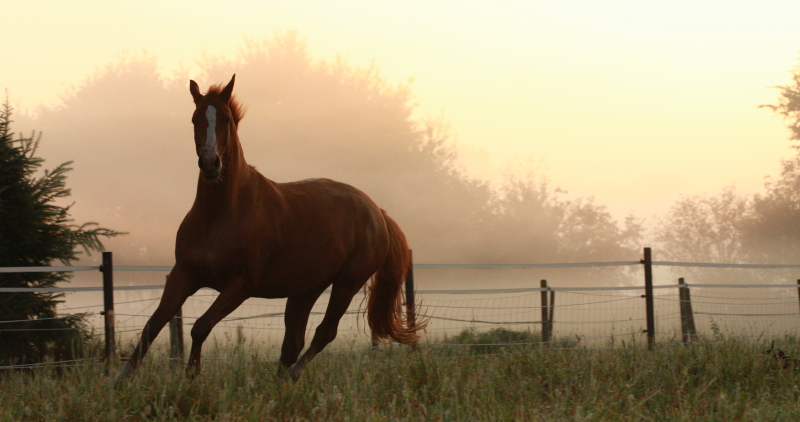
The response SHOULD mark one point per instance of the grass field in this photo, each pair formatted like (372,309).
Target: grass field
(711,380)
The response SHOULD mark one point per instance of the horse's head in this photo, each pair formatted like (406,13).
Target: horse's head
(215,118)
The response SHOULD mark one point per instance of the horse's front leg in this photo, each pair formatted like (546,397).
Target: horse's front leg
(176,290)
(227,301)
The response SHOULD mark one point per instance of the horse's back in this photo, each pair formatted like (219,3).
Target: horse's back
(324,228)
(324,208)
(326,198)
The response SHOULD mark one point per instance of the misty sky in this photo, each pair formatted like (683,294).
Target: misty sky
(633,102)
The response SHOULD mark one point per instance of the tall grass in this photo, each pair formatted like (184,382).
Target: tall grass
(713,380)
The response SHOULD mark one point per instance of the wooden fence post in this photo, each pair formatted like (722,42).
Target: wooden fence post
(688,329)
(107,269)
(545,316)
(176,348)
(410,315)
(648,298)
(798,290)
(176,336)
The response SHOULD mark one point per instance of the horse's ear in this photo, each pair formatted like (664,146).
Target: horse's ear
(195,90)
(228,90)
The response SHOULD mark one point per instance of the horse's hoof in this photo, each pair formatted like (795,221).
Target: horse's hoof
(294,371)
(123,375)
(192,371)
(283,372)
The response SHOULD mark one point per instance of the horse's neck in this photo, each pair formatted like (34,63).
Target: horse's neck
(235,177)
(237,168)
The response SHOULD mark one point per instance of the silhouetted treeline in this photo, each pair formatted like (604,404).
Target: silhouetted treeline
(128,131)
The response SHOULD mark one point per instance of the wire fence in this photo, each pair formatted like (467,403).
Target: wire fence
(577,316)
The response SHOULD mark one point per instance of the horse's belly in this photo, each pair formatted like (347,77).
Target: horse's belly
(294,282)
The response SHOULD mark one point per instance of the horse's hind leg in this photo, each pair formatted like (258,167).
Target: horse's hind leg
(295,320)
(227,301)
(341,295)
(176,290)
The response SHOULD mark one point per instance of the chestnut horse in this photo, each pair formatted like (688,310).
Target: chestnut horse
(247,236)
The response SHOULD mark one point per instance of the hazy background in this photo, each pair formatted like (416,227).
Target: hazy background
(506,132)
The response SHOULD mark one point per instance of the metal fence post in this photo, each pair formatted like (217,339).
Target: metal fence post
(648,298)
(108,303)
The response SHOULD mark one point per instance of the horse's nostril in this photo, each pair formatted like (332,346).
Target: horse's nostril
(209,165)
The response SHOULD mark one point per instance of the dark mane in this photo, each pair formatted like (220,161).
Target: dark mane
(237,109)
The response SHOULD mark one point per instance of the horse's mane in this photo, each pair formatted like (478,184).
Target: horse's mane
(237,109)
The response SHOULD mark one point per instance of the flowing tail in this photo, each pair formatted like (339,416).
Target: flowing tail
(385,306)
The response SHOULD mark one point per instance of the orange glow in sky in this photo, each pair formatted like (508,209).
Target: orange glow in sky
(635,103)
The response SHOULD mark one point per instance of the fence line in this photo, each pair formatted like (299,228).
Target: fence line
(547,305)
(421,291)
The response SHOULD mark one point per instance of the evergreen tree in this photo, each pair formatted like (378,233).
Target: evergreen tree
(34,231)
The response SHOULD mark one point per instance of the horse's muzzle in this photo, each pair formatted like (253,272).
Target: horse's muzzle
(210,169)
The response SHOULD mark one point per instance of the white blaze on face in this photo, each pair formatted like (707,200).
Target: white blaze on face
(211,134)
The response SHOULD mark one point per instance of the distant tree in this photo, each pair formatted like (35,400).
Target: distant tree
(788,105)
(588,231)
(704,228)
(539,226)
(35,231)
(772,234)
(707,229)
(529,213)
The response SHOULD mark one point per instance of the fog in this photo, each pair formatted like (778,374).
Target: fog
(127,128)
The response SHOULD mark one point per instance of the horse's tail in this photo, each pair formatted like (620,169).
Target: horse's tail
(384,310)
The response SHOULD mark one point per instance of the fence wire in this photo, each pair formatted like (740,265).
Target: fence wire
(583,316)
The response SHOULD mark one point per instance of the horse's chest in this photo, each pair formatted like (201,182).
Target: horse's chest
(206,256)
(215,248)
